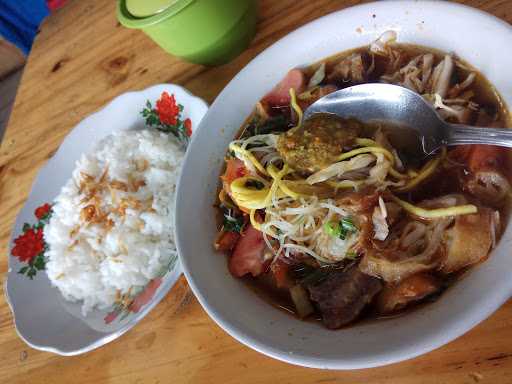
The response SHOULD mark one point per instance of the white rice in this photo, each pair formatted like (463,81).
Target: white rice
(95,263)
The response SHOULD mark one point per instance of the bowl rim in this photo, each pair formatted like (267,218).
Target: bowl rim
(455,330)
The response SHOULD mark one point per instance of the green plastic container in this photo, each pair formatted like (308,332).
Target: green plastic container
(209,32)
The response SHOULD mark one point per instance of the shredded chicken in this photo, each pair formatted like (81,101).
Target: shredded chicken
(350,69)
(442,76)
(434,83)
(380,225)
(460,113)
(457,89)
(381,46)
(317,77)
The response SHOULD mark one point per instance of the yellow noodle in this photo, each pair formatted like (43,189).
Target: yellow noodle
(277,176)
(369,143)
(295,106)
(308,94)
(254,223)
(358,151)
(437,212)
(251,198)
(281,184)
(304,189)
(238,186)
(248,197)
(364,142)
(393,172)
(427,170)
(345,184)
(249,156)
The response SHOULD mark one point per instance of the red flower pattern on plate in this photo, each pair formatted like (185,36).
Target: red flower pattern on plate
(111,317)
(167,109)
(28,245)
(138,301)
(42,211)
(166,117)
(188,127)
(145,296)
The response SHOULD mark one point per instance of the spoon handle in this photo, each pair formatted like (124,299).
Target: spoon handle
(464,134)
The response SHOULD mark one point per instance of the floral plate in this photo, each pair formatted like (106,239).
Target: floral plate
(43,319)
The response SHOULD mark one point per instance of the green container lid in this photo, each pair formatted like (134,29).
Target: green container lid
(209,32)
(146,8)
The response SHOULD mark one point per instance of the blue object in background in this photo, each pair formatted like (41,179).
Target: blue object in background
(20,19)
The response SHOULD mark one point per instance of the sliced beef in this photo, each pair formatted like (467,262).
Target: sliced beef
(343,295)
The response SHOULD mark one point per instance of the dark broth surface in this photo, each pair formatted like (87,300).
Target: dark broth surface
(486,94)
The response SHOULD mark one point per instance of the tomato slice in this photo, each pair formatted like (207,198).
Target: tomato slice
(235,169)
(485,157)
(280,270)
(248,256)
(280,95)
(226,241)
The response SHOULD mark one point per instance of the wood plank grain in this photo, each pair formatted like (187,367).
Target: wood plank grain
(83,58)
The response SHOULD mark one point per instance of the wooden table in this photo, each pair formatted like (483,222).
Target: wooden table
(81,59)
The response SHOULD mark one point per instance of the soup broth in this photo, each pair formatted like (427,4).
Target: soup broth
(326,220)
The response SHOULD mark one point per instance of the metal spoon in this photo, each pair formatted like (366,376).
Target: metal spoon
(400,107)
